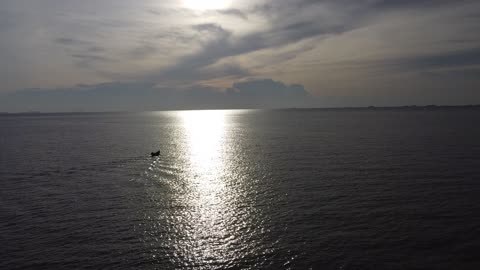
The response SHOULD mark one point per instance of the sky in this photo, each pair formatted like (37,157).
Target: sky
(70,55)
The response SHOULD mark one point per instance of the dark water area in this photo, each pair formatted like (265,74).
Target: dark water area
(280,189)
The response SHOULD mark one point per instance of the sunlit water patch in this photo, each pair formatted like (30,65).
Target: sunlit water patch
(208,219)
(286,189)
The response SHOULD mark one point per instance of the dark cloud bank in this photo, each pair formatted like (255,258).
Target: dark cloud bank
(252,94)
(264,93)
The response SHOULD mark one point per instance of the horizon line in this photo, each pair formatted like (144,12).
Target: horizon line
(371,107)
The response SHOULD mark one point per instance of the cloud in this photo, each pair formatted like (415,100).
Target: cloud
(267,93)
(147,96)
(143,51)
(333,47)
(70,41)
(461,58)
(389,4)
(287,24)
(234,12)
(219,43)
(212,28)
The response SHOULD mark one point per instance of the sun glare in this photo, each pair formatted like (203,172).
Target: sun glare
(205,131)
(206,4)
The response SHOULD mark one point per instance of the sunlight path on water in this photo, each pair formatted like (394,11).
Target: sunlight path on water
(210,198)
(205,213)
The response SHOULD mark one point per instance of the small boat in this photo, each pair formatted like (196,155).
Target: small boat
(155,154)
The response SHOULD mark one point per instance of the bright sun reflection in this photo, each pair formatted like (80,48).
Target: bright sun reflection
(202,219)
(206,4)
(205,131)
(208,196)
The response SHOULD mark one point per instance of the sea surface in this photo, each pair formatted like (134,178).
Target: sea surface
(242,189)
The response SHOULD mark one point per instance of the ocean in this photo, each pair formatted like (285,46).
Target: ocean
(241,189)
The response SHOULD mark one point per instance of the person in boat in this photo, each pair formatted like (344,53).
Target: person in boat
(155,154)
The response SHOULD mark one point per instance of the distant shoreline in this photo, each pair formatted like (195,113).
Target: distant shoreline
(406,107)
(373,108)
